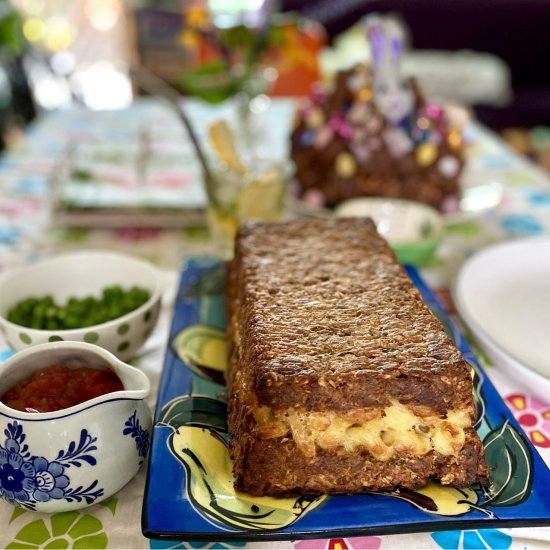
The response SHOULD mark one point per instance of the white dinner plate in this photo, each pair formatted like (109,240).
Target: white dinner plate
(503,295)
(522,376)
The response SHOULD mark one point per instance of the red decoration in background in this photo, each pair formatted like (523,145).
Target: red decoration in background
(296,57)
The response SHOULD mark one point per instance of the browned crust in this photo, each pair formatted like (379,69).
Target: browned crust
(330,320)
(276,467)
(321,317)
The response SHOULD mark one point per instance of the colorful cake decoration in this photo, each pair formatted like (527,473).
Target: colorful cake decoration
(373,134)
(392,95)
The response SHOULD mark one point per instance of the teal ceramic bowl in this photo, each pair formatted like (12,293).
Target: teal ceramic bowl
(413,229)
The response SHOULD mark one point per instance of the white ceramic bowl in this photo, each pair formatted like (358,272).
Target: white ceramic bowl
(81,274)
(413,229)
(75,457)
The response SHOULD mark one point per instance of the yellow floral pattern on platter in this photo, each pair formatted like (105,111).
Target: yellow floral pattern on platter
(206,459)
(202,349)
(203,451)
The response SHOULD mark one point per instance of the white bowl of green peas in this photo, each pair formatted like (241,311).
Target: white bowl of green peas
(104,298)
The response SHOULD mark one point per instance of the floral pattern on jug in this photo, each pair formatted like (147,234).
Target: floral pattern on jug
(133,428)
(26,479)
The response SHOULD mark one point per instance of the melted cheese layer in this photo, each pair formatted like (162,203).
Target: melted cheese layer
(395,429)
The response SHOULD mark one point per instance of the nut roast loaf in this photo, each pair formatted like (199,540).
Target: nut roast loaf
(340,379)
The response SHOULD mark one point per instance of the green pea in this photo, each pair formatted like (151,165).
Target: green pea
(44,313)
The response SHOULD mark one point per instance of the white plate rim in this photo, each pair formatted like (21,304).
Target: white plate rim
(516,368)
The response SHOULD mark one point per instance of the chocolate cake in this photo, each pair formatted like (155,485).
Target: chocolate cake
(340,378)
(373,134)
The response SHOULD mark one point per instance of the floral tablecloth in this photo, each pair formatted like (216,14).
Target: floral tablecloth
(28,232)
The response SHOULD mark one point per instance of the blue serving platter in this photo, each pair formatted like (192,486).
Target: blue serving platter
(189,493)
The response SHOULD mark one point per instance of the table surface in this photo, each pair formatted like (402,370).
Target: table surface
(29,231)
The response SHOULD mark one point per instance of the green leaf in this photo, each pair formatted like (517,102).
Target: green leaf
(86,525)
(19,511)
(62,522)
(95,542)
(510,462)
(34,533)
(211,82)
(11,39)
(57,544)
(110,504)
(238,37)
